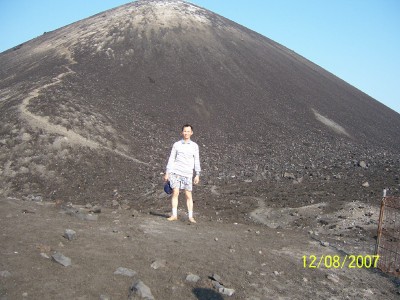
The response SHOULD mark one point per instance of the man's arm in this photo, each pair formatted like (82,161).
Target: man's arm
(197,167)
(171,162)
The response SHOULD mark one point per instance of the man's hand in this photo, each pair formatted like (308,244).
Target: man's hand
(196,179)
(166,177)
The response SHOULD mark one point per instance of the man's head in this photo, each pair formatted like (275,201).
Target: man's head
(187,125)
(187,131)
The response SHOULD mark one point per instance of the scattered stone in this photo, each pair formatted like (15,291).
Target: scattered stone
(226,291)
(365,184)
(115,203)
(5,274)
(37,198)
(221,289)
(125,272)
(95,209)
(276,273)
(70,234)
(216,282)
(249,273)
(289,175)
(325,244)
(192,278)
(104,297)
(61,259)
(216,277)
(135,213)
(78,214)
(42,254)
(323,222)
(333,277)
(363,164)
(91,217)
(125,206)
(141,290)
(88,206)
(158,264)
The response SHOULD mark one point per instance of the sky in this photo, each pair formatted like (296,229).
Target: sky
(356,40)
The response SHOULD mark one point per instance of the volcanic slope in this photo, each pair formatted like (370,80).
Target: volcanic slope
(92,109)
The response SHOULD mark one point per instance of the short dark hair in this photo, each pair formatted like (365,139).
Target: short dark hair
(187,125)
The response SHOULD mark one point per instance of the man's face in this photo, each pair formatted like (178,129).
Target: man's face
(187,133)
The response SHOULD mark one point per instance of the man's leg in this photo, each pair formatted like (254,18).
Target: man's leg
(189,203)
(174,201)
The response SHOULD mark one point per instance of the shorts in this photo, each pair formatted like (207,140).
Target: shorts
(181,182)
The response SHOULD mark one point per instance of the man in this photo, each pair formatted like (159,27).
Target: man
(183,159)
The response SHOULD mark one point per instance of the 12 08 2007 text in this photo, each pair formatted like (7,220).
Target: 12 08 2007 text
(340,262)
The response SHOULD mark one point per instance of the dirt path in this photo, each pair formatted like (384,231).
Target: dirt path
(256,261)
(72,137)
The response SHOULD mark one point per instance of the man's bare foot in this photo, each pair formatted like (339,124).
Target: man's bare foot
(192,220)
(172,218)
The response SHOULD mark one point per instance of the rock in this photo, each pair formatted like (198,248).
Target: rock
(221,289)
(323,222)
(216,282)
(325,244)
(95,209)
(135,213)
(37,198)
(192,278)
(104,297)
(141,290)
(91,217)
(5,274)
(158,264)
(289,175)
(226,291)
(125,272)
(333,277)
(125,206)
(216,277)
(363,164)
(79,214)
(365,184)
(70,234)
(61,259)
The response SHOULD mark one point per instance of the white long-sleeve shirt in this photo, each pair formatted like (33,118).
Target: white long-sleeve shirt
(184,158)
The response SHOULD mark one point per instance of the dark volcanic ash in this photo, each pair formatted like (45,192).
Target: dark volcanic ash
(92,109)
